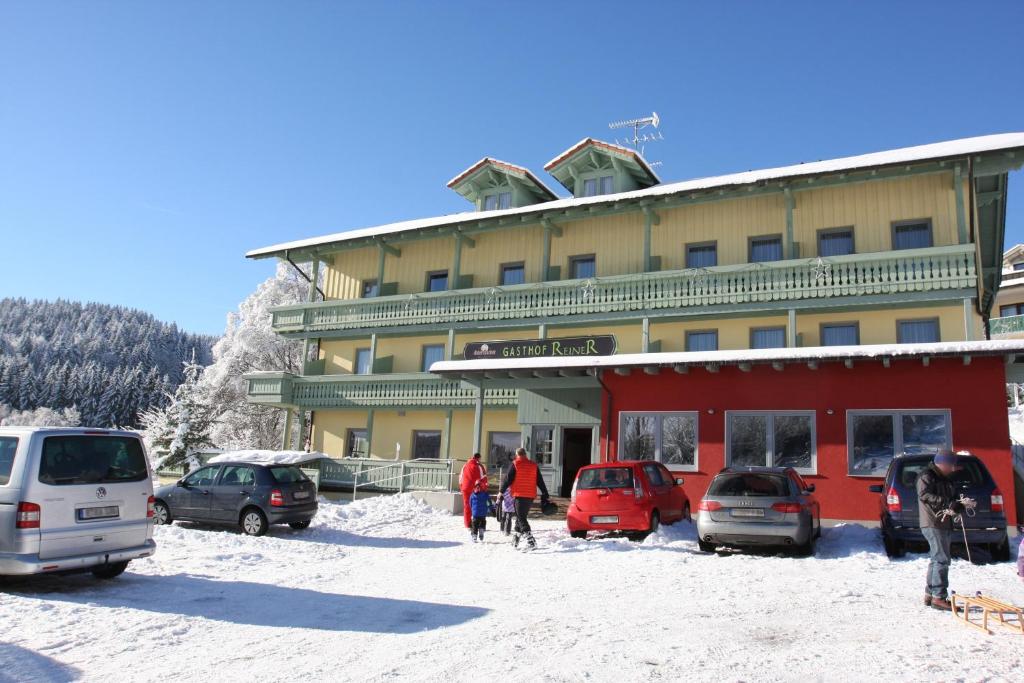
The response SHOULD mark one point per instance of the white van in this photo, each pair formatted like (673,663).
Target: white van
(73,500)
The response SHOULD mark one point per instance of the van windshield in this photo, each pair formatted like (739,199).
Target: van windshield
(8,445)
(606,478)
(91,459)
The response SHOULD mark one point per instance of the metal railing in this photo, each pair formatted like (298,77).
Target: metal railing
(909,270)
(389,476)
(1011,324)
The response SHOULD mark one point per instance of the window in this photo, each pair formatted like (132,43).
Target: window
(759,439)
(669,438)
(917,331)
(912,234)
(543,445)
(764,249)
(654,475)
(502,448)
(702,255)
(364,366)
(835,242)
(437,281)
(768,338)
(582,267)
(595,186)
(89,459)
(749,484)
(371,288)
(234,475)
(498,200)
(513,273)
(426,444)
(8,447)
(840,334)
(605,478)
(874,437)
(702,340)
(204,476)
(432,353)
(356,444)
(1018,266)
(287,474)
(1011,309)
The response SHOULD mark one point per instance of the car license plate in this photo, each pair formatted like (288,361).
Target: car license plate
(300,494)
(748,512)
(105,512)
(605,519)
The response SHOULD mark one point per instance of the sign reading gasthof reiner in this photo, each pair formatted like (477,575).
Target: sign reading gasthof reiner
(598,345)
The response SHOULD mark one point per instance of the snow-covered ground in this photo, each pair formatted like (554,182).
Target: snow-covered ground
(387,588)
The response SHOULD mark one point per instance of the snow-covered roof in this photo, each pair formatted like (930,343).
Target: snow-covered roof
(506,166)
(263,457)
(735,357)
(612,147)
(905,155)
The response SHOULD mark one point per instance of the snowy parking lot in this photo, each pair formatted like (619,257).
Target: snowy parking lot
(387,588)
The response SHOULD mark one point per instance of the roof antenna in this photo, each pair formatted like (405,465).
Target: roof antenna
(638,142)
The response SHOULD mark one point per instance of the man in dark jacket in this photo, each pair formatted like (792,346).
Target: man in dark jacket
(936,500)
(524,478)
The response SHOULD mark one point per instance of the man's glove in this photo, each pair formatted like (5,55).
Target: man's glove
(957,507)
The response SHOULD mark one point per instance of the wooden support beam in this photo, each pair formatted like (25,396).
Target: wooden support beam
(652,370)
(886,362)
(812,364)
(711,367)
(681,369)
(623,371)
(744,367)
(961,215)
(394,251)
(790,245)
(967,360)
(778,367)
(926,361)
(848,363)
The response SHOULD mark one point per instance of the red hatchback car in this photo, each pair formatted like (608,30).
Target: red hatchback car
(634,496)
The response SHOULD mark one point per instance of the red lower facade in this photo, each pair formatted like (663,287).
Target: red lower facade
(974,395)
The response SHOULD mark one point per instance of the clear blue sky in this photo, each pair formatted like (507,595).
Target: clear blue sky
(144,147)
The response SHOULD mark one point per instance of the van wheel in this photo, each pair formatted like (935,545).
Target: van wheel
(254,522)
(304,524)
(110,571)
(705,547)
(161,513)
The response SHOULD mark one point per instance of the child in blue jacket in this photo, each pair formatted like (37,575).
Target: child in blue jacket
(479,505)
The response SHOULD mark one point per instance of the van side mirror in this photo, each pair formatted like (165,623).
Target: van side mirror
(875,488)
(809,489)
(679,481)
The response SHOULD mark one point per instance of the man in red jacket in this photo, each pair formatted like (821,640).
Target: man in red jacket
(472,472)
(524,478)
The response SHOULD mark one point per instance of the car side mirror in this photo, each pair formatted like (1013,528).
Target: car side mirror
(182,483)
(809,489)
(679,481)
(875,488)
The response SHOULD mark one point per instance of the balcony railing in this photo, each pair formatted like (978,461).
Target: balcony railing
(1002,327)
(911,270)
(412,390)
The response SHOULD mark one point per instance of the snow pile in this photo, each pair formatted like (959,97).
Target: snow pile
(388,588)
(1016,417)
(267,457)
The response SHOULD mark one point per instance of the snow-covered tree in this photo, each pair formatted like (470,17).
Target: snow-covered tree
(174,433)
(249,345)
(40,417)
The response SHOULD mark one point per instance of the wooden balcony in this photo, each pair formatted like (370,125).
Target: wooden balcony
(932,273)
(398,391)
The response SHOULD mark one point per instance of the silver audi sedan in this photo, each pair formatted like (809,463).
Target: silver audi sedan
(759,506)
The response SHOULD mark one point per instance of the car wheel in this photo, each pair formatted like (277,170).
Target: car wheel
(578,534)
(706,547)
(254,522)
(1001,552)
(110,571)
(807,549)
(161,513)
(687,514)
(893,548)
(304,524)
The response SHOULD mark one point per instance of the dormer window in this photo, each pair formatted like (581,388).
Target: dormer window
(591,168)
(497,200)
(494,185)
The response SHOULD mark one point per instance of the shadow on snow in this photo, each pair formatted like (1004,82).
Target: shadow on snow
(328,535)
(22,664)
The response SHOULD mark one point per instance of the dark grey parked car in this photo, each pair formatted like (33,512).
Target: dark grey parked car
(759,506)
(241,494)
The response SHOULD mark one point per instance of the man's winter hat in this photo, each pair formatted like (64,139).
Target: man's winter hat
(945,457)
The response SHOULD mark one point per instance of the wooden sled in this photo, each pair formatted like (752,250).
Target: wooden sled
(1008,616)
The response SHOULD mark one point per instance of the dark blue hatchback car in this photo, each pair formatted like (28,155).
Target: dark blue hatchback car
(898,506)
(246,495)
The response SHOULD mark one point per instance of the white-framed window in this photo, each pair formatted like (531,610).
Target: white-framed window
(497,200)
(356,443)
(371,288)
(757,438)
(874,437)
(543,445)
(669,438)
(364,363)
(599,185)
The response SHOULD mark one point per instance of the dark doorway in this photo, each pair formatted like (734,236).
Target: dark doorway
(575,454)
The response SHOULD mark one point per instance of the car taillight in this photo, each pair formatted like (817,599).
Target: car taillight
(787,507)
(28,516)
(276,498)
(997,500)
(151,507)
(572,494)
(638,490)
(709,505)
(892,500)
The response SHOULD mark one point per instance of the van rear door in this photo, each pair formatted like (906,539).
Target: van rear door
(10,492)
(94,489)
